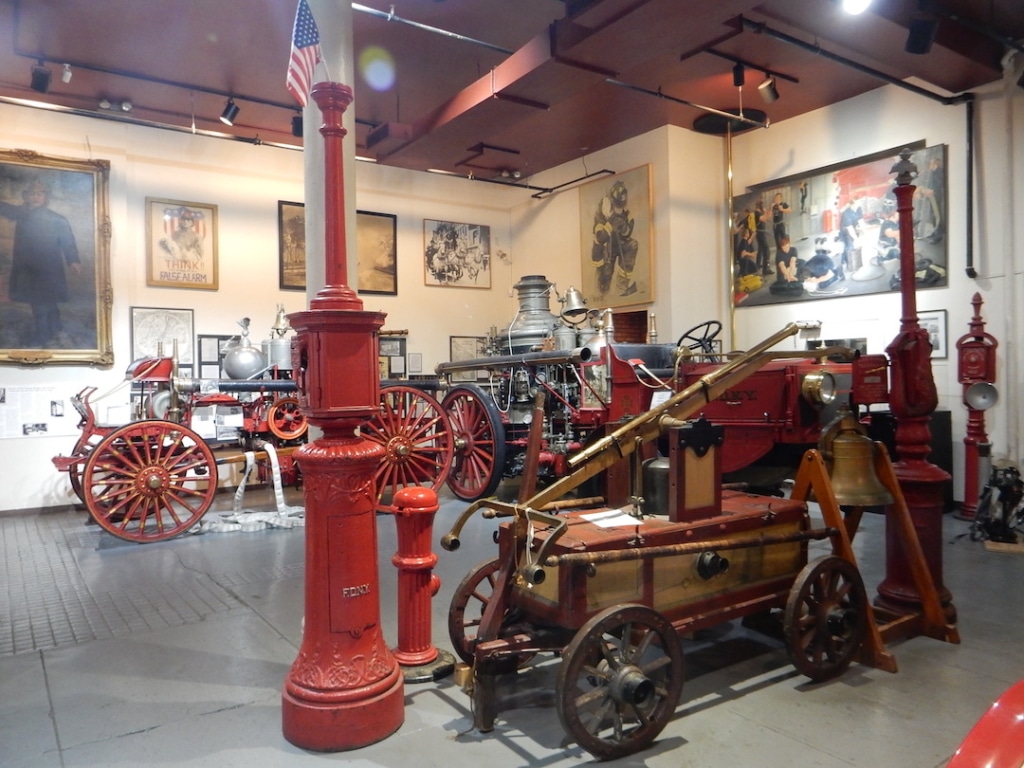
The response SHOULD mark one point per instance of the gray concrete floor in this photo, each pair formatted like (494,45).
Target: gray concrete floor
(117,654)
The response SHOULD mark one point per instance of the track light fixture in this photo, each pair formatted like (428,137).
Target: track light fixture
(230,113)
(768,90)
(40,78)
(921,34)
(738,75)
(854,7)
(65,76)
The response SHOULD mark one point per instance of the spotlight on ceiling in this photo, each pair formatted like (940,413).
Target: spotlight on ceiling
(854,7)
(769,92)
(65,75)
(297,126)
(230,113)
(40,78)
(738,75)
(921,34)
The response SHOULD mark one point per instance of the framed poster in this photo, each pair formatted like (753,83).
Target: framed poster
(467,348)
(181,244)
(211,348)
(291,246)
(456,255)
(378,253)
(155,329)
(934,321)
(616,236)
(54,260)
(841,227)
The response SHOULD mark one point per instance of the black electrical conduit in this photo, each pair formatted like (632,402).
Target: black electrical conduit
(968,98)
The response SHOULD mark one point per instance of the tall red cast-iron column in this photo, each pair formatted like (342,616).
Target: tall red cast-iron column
(344,690)
(913,399)
(976,354)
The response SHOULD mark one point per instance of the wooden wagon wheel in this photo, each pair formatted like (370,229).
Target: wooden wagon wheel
(285,419)
(620,680)
(85,445)
(479,442)
(149,481)
(417,440)
(826,617)
(469,602)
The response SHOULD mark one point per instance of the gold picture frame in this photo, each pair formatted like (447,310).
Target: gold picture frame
(616,237)
(291,245)
(73,311)
(377,252)
(181,244)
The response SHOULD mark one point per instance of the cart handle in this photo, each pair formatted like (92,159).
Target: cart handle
(690,547)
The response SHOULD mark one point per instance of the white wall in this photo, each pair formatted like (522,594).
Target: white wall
(245,182)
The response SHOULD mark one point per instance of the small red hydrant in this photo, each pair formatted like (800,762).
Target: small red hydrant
(419,659)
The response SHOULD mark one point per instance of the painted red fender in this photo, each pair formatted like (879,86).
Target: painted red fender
(997,739)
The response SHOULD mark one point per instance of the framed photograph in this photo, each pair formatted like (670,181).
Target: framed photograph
(211,349)
(155,329)
(415,362)
(456,255)
(616,236)
(291,246)
(467,348)
(54,260)
(934,321)
(842,230)
(181,244)
(378,253)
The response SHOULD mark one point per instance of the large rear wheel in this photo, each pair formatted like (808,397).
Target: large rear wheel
(149,481)
(412,428)
(479,442)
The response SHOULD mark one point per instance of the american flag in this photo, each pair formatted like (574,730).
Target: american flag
(305,53)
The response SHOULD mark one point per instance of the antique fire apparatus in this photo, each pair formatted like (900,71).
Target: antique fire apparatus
(609,579)
(567,378)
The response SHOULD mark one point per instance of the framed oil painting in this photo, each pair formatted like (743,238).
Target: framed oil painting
(616,236)
(181,244)
(456,255)
(841,230)
(155,329)
(377,252)
(55,292)
(291,246)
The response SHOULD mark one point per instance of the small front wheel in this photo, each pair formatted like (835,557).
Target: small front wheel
(620,681)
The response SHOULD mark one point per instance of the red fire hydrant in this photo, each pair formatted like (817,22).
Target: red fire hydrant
(419,659)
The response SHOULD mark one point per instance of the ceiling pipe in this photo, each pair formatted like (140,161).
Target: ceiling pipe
(971,271)
(390,16)
(763,29)
(685,103)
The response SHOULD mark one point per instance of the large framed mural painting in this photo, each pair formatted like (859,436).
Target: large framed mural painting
(55,293)
(835,231)
(615,235)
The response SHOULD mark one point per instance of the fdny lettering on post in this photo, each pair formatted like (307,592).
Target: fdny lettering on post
(355,591)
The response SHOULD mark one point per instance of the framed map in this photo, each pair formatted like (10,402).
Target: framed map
(154,331)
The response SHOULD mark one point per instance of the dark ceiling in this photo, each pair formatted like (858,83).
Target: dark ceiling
(499,88)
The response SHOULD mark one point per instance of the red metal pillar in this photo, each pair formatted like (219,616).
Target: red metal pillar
(414,515)
(344,690)
(976,354)
(913,399)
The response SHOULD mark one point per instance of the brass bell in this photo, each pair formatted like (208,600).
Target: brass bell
(852,466)
(575,308)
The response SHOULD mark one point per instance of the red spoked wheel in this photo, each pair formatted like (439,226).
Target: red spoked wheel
(149,481)
(285,419)
(479,442)
(417,440)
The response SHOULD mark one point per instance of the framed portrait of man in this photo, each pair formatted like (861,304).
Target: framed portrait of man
(55,294)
